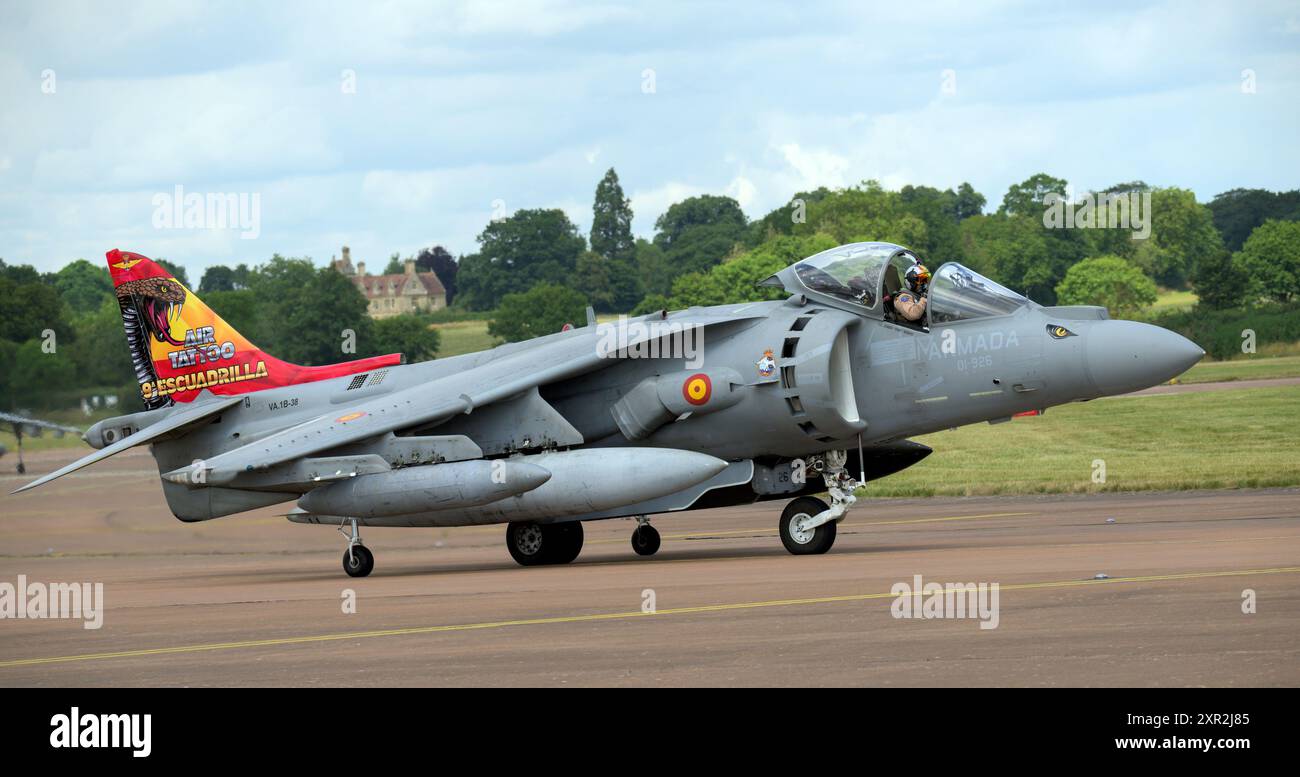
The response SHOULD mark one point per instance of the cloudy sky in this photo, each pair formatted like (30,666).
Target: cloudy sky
(389,126)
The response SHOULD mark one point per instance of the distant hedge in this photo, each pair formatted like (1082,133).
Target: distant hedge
(1219,332)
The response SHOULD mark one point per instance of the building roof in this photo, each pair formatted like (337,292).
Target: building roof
(374,286)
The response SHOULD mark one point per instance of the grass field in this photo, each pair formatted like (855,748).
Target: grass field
(460,337)
(1172,300)
(1255,368)
(1236,438)
(469,336)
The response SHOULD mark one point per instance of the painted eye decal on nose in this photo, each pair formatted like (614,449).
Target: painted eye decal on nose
(1059,332)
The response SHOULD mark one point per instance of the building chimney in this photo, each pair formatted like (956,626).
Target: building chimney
(410,267)
(347,254)
(361,268)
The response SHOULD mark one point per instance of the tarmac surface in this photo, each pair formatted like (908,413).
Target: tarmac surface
(1223,385)
(255,600)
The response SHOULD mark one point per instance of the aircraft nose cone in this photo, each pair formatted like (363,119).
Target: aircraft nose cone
(1126,356)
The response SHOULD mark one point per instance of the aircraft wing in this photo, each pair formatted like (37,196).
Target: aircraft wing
(18,420)
(419,405)
(553,358)
(198,411)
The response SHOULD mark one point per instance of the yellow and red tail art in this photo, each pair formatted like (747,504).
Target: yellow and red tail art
(180,347)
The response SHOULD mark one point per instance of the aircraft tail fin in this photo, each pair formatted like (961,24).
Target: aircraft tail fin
(180,346)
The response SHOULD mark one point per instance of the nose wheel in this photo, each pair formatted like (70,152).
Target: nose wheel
(645,538)
(799,532)
(358,561)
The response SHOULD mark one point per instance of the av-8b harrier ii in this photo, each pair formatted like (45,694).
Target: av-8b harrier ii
(30,427)
(664,413)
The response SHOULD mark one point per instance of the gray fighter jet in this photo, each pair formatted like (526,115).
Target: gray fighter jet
(663,413)
(22,426)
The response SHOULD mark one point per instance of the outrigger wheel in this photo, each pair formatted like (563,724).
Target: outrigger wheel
(534,544)
(645,540)
(802,541)
(358,561)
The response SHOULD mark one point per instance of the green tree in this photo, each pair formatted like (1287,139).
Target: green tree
(99,350)
(176,270)
(242,310)
(652,268)
(1238,212)
(405,334)
(737,279)
(1119,241)
(541,310)
(83,286)
(1217,283)
(699,232)
(1270,261)
(317,316)
(37,373)
(8,358)
(529,247)
(1018,252)
(611,222)
(302,311)
(1182,236)
(28,305)
(219,277)
(1108,281)
(967,202)
(1027,197)
(610,285)
(441,263)
(782,221)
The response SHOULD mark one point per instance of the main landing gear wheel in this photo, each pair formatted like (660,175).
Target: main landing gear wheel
(802,541)
(533,544)
(358,561)
(645,540)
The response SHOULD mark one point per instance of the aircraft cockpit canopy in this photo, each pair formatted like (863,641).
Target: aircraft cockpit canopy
(958,294)
(860,276)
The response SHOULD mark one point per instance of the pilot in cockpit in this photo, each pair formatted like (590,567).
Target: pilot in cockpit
(910,303)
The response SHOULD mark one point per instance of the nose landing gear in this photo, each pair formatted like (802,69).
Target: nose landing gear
(808,525)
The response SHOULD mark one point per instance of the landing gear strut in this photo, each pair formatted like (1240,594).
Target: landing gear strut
(358,561)
(18,435)
(808,525)
(645,538)
(534,544)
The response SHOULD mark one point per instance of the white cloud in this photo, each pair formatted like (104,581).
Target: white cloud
(463,103)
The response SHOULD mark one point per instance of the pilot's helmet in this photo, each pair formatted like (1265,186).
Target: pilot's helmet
(918,278)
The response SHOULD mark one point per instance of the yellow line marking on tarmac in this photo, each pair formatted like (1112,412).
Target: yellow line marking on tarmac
(703,534)
(608,616)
